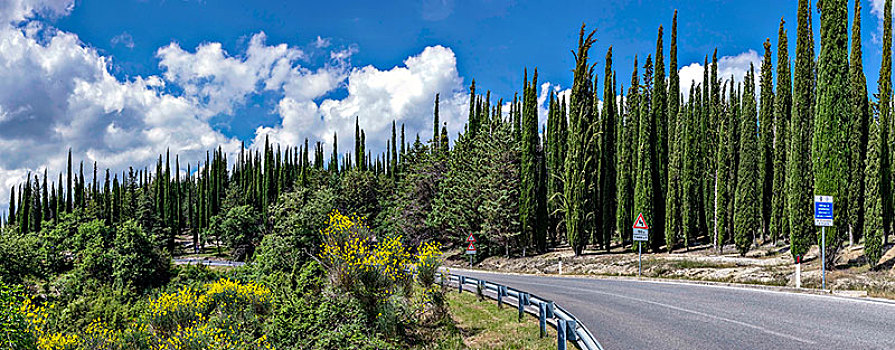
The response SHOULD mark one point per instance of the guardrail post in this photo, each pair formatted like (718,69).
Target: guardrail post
(560,334)
(462,280)
(521,299)
(571,327)
(480,290)
(499,296)
(550,307)
(542,318)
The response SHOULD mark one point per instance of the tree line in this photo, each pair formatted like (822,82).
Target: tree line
(727,162)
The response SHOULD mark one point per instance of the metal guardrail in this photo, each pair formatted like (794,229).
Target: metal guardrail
(567,326)
(207,262)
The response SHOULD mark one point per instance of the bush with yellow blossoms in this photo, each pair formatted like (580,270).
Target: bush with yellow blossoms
(377,271)
(188,319)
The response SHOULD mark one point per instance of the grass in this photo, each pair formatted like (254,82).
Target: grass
(481,325)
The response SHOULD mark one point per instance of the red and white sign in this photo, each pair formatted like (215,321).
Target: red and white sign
(640,222)
(470,249)
(471,238)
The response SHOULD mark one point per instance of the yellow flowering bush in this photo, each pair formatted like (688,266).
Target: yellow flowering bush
(172,321)
(374,271)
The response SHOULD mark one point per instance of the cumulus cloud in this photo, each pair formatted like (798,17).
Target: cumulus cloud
(19,10)
(403,93)
(57,93)
(735,66)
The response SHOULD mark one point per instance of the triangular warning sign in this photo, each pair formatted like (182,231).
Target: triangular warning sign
(471,247)
(640,222)
(470,238)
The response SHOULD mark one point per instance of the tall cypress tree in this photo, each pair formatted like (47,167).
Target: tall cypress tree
(798,168)
(68,191)
(830,141)
(747,213)
(884,89)
(556,155)
(627,176)
(673,197)
(782,112)
(660,128)
(857,131)
(608,200)
(646,156)
(435,125)
(766,141)
(577,156)
(873,220)
(529,168)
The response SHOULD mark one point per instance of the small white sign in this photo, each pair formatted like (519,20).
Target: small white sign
(641,235)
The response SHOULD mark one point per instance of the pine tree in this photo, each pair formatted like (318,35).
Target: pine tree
(766,142)
(660,128)
(830,140)
(747,213)
(884,89)
(577,157)
(857,131)
(782,114)
(798,168)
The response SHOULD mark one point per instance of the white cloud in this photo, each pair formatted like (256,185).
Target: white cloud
(124,39)
(728,66)
(377,97)
(19,10)
(56,93)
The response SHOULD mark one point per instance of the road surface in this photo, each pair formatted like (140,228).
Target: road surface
(630,314)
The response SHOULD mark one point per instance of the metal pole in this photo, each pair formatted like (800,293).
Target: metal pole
(542,318)
(560,334)
(639,260)
(823,257)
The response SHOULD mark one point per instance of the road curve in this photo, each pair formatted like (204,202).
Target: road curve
(630,314)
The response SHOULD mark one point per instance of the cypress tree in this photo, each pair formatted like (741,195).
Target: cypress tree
(798,168)
(660,128)
(857,131)
(830,141)
(724,172)
(556,141)
(445,143)
(45,198)
(884,89)
(766,140)
(529,168)
(627,161)
(36,210)
(334,160)
(12,206)
(435,125)
(577,157)
(68,191)
(782,111)
(646,156)
(608,170)
(873,221)
(25,206)
(687,151)
(394,160)
(747,213)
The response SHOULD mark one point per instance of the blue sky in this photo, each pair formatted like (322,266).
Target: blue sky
(121,81)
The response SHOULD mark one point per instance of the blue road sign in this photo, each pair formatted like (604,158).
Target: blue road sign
(823,211)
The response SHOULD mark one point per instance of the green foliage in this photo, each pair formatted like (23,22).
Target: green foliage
(829,145)
(747,214)
(800,177)
(873,222)
(857,131)
(766,140)
(240,229)
(136,264)
(647,173)
(782,114)
(13,326)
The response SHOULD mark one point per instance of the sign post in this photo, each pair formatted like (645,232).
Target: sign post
(470,249)
(641,234)
(823,217)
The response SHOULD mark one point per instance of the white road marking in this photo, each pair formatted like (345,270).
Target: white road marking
(699,313)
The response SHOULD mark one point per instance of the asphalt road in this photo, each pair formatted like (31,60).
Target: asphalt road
(630,314)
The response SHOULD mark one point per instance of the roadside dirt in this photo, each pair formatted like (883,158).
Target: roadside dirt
(765,265)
